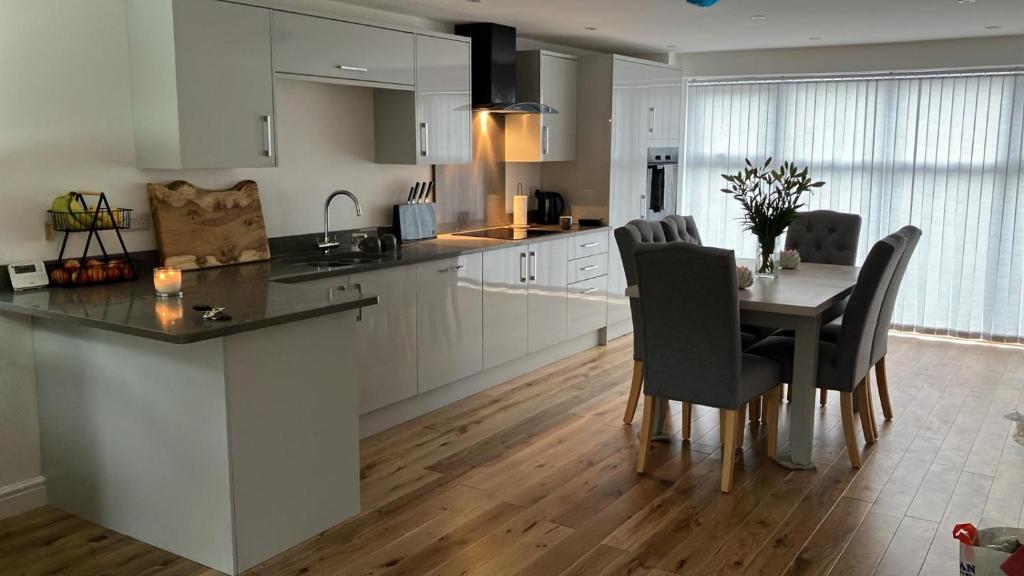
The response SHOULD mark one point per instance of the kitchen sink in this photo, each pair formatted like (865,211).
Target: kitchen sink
(322,262)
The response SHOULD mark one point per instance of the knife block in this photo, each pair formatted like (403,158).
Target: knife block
(415,221)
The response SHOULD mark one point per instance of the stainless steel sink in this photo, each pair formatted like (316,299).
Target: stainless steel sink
(342,262)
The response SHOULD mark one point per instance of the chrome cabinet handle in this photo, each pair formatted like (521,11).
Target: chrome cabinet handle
(643,206)
(533,266)
(424,139)
(451,269)
(589,244)
(544,140)
(589,268)
(522,267)
(352,68)
(268,135)
(590,290)
(652,118)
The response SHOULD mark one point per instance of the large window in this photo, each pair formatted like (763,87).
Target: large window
(944,152)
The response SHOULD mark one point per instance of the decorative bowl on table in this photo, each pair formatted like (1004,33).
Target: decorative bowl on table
(744,277)
(789,259)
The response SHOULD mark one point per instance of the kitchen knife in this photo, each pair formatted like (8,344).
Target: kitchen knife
(416,193)
(431,195)
(423,193)
(409,199)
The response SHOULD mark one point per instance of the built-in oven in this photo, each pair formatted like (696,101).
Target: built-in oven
(662,182)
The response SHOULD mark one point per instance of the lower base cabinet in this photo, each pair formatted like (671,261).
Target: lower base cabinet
(449,320)
(385,338)
(588,306)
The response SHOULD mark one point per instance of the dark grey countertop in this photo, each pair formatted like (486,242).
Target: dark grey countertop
(256,295)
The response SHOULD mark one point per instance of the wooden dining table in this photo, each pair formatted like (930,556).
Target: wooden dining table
(795,300)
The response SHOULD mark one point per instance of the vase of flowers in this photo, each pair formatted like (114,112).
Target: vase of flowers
(770,199)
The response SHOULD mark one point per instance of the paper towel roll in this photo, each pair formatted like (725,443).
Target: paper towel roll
(520,203)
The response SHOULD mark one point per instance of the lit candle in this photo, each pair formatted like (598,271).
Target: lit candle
(167,282)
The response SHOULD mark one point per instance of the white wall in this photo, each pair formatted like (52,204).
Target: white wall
(66,124)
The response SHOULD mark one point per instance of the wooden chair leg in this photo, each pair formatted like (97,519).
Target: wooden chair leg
(865,417)
(687,416)
(852,448)
(755,409)
(635,388)
(883,389)
(871,406)
(741,425)
(771,421)
(823,397)
(646,431)
(731,418)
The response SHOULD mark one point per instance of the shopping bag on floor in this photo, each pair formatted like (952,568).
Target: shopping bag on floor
(984,552)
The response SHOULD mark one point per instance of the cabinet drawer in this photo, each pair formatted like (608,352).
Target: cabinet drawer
(588,244)
(332,49)
(588,267)
(588,306)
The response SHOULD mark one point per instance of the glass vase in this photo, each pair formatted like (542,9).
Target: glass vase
(767,257)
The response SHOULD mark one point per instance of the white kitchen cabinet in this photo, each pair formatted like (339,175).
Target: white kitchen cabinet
(449,320)
(548,78)
(505,302)
(202,84)
(630,128)
(587,306)
(433,124)
(385,338)
(666,106)
(322,48)
(547,276)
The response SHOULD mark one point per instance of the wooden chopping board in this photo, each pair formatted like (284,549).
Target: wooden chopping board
(197,228)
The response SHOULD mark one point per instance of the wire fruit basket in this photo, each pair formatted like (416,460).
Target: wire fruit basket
(88,271)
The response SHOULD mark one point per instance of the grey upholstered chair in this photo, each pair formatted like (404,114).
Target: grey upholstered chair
(880,344)
(693,352)
(844,365)
(628,237)
(825,237)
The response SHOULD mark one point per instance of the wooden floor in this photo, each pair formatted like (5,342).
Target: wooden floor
(535,477)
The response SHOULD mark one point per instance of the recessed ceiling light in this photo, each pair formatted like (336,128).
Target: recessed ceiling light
(590,29)
(474,1)
(992,27)
(965,1)
(671,46)
(814,38)
(758,17)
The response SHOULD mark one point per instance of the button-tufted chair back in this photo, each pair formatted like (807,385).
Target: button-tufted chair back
(825,237)
(637,232)
(682,228)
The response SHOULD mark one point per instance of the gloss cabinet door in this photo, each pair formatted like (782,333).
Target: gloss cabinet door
(547,274)
(449,320)
(202,84)
(505,304)
(385,338)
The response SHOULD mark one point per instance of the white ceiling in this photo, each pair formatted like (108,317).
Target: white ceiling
(638,26)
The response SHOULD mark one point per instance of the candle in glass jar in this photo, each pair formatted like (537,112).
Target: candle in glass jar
(167,281)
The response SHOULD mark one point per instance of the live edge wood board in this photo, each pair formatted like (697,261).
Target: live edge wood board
(197,228)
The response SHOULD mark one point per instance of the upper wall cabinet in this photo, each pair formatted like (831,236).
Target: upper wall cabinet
(549,78)
(202,84)
(433,124)
(666,106)
(332,50)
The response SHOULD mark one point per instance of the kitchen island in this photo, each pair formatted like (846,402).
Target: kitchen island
(228,442)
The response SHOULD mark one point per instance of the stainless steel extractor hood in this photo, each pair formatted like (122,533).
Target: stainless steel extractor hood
(494,70)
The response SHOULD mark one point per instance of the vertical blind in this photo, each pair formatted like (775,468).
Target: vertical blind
(944,152)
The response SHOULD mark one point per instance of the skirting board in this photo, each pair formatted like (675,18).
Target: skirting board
(617,330)
(395,414)
(22,496)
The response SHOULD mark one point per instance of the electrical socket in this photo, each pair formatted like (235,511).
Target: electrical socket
(141,221)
